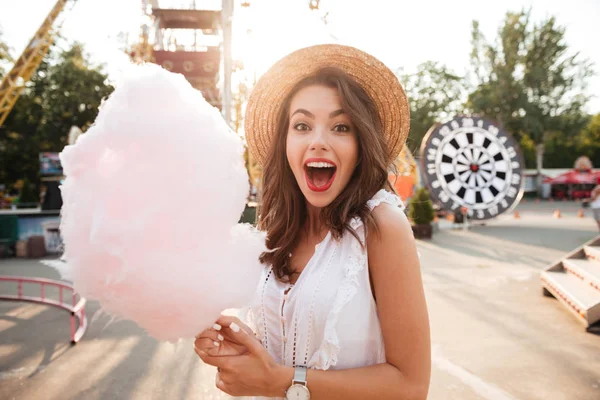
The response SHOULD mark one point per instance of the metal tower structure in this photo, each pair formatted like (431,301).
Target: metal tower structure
(28,62)
(193,42)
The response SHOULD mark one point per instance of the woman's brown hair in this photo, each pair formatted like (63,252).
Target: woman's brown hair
(283,210)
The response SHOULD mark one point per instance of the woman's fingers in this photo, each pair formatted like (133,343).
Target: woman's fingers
(226,321)
(211,334)
(244,338)
(206,344)
(217,347)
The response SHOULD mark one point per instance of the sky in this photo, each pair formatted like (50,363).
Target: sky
(401,33)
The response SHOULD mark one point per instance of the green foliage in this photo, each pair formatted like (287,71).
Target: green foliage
(588,142)
(65,91)
(527,146)
(420,208)
(531,84)
(28,194)
(526,79)
(434,93)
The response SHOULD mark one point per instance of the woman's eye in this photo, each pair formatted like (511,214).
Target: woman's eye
(341,128)
(301,126)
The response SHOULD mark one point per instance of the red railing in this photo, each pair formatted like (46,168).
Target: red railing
(75,307)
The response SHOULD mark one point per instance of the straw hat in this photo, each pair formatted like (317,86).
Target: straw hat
(376,79)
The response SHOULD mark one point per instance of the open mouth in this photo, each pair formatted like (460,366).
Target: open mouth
(319,174)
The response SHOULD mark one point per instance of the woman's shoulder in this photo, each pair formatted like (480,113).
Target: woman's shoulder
(390,220)
(389,223)
(391,234)
(385,208)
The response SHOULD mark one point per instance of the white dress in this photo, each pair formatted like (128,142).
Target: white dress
(328,320)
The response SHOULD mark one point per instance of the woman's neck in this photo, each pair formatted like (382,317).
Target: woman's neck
(314,226)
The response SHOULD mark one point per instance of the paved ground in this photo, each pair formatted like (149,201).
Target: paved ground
(494,335)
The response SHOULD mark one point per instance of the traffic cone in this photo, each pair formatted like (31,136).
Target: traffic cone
(580,214)
(517,215)
(557,213)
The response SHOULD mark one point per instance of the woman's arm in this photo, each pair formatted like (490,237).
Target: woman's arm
(381,382)
(402,310)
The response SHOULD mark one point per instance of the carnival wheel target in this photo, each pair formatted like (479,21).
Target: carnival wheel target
(469,162)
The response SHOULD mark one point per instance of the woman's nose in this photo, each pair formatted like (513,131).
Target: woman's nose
(319,140)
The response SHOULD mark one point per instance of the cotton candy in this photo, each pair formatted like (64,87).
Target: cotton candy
(151,202)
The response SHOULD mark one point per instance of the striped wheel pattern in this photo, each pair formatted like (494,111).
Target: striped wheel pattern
(471,163)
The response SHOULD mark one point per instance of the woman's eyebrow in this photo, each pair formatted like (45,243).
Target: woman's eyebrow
(336,113)
(305,112)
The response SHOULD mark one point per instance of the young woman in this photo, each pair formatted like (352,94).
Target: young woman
(340,311)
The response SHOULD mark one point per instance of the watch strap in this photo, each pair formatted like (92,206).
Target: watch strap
(299,375)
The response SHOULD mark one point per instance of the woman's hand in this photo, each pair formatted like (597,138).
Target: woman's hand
(253,373)
(217,342)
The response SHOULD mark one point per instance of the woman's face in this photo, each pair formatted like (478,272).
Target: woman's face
(321,145)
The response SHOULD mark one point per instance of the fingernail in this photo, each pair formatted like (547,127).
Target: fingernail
(234,327)
(220,337)
(217,327)
(217,344)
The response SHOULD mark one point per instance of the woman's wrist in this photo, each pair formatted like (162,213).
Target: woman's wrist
(282,379)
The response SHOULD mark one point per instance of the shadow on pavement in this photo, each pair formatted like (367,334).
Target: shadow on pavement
(594,329)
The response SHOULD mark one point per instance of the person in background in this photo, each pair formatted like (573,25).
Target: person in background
(595,204)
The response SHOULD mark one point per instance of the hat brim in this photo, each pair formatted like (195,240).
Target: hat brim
(372,75)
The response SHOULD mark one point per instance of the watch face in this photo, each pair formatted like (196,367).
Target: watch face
(297,392)
(469,162)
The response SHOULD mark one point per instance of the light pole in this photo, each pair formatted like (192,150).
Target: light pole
(539,157)
(227,16)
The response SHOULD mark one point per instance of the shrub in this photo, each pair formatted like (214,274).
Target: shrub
(420,209)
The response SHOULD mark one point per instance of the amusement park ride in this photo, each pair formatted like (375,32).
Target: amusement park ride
(198,60)
(14,82)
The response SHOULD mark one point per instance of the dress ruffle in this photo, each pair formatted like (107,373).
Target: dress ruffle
(383,196)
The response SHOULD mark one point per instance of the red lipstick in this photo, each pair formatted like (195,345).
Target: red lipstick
(309,182)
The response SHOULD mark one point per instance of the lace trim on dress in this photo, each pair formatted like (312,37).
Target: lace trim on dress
(383,196)
(327,355)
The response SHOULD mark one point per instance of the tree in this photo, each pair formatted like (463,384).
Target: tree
(65,91)
(499,93)
(588,143)
(72,97)
(434,94)
(530,83)
(28,196)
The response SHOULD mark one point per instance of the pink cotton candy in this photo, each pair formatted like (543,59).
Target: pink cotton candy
(152,197)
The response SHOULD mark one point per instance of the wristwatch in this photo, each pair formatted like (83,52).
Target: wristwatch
(299,389)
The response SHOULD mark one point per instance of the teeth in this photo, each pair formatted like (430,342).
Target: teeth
(320,164)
